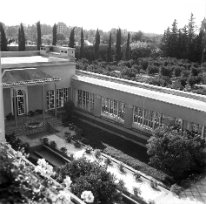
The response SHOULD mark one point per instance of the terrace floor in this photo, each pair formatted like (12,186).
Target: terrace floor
(197,189)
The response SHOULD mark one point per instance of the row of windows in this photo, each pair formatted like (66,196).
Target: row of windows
(85,100)
(113,109)
(62,96)
(142,118)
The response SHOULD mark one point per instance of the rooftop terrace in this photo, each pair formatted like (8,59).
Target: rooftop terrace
(182,101)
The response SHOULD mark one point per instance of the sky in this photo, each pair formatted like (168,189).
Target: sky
(150,16)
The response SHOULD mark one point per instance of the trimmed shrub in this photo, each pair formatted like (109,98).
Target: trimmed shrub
(137,191)
(77,144)
(154,185)
(121,168)
(108,161)
(64,150)
(53,145)
(97,153)
(45,141)
(138,177)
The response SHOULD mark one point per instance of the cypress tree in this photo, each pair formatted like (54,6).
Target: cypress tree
(127,53)
(191,37)
(174,39)
(21,38)
(96,45)
(118,45)
(71,38)
(3,39)
(109,49)
(38,25)
(82,44)
(54,31)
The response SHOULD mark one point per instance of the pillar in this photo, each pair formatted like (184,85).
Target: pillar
(15,106)
(203,132)
(2,126)
(55,99)
(97,105)
(128,116)
(43,102)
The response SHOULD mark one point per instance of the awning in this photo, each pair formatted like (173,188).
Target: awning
(26,76)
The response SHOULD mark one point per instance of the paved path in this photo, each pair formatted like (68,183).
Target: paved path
(197,190)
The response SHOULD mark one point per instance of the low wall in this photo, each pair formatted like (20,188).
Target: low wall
(19,53)
(16,48)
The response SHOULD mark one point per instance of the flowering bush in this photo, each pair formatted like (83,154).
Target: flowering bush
(87,196)
(67,181)
(90,176)
(44,168)
(22,183)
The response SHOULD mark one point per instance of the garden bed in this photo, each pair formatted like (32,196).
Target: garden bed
(146,188)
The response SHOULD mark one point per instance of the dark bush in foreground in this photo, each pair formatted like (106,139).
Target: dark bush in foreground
(91,177)
(176,153)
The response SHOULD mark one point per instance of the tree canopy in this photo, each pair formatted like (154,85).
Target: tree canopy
(90,176)
(71,38)
(176,153)
(96,45)
(21,38)
(82,44)
(54,32)
(118,45)
(38,25)
(3,38)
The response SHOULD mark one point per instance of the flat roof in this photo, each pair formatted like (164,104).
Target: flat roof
(156,95)
(29,59)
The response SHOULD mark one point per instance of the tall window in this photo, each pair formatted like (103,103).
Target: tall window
(62,96)
(50,99)
(146,118)
(113,109)
(20,102)
(85,100)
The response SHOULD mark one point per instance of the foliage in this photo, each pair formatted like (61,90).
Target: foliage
(64,150)
(45,141)
(16,143)
(88,149)
(109,49)
(154,185)
(90,176)
(82,45)
(87,196)
(108,161)
(21,38)
(138,177)
(121,186)
(54,34)
(77,144)
(21,183)
(71,38)
(184,42)
(176,153)
(127,53)
(140,52)
(118,54)
(53,144)
(38,25)
(96,45)
(68,110)
(97,153)
(137,191)
(3,39)
(121,168)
